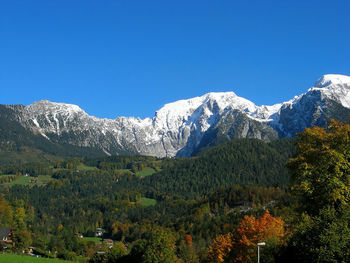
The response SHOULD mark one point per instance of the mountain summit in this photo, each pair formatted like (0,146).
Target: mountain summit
(183,127)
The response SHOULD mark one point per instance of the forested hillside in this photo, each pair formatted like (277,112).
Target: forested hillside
(105,192)
(195,209)
(240,161)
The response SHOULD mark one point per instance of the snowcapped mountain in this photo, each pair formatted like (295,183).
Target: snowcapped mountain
(182,127)
(329,98)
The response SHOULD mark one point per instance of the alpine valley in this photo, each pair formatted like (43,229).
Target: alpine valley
(241,178)
(180,128)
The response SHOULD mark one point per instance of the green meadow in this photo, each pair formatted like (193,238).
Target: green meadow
(147,171)
(144,201)
(8,258)
(28,180)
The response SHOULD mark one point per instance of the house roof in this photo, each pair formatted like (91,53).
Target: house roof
(4,232)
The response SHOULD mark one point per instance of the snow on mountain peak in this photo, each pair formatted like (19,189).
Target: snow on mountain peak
(179,127)
(230,99)
(45,105)
(335,87)
(332,79)
(173,115)
(222,99)
(52,115)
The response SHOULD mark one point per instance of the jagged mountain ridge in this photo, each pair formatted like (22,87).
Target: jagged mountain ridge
(182,127)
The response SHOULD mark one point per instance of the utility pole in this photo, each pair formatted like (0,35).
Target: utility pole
(260,244)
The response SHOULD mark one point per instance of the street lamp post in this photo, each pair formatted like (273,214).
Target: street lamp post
(260,244)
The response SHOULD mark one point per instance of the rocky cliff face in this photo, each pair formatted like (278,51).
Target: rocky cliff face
(181,127)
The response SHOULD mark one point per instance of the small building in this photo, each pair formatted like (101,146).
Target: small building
(6,234)
(99,232)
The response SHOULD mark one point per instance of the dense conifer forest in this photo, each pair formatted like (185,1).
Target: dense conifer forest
(213,207)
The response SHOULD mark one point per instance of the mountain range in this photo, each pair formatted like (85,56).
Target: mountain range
(180,128)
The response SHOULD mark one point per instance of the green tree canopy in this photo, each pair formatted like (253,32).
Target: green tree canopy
(321,169)
(321,174)
(158,246)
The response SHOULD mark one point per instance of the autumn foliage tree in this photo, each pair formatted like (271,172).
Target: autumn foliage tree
(321,176)
(221,247)
(240,246)
(6,213)
(266,227)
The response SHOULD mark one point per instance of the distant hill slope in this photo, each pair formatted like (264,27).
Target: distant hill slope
(18,144)
(240,161)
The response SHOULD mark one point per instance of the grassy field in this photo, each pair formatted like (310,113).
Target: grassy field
(6,258)
(94,239)
(146,171)
(83,167)
(28,180)
(144,201)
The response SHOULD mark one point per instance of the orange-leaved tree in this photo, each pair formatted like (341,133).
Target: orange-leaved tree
(240,246)
(251,231)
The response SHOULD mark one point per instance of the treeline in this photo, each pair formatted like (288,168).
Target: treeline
(111,164)
(120,162)
(32,169)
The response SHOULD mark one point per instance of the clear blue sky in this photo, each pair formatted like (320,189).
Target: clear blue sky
(128,58)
